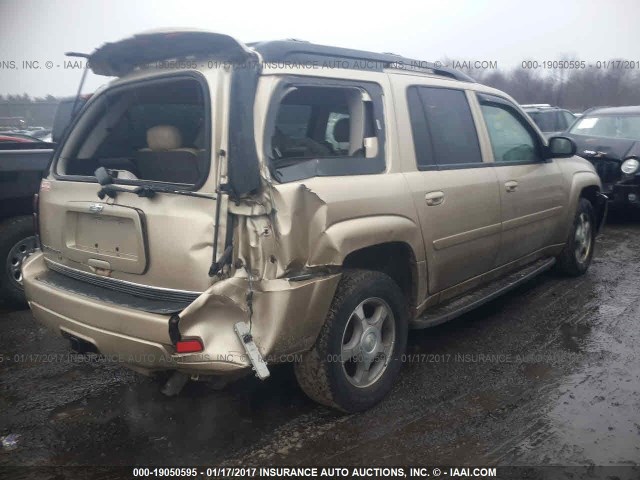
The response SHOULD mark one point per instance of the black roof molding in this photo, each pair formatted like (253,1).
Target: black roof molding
(119,58)
(296,51)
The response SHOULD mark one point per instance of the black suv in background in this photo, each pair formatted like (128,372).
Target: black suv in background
(609,137)
(550,120)
(22,161)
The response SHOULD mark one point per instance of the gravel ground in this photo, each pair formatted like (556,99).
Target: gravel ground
(549,374)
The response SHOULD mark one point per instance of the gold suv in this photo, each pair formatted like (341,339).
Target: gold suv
(223,207)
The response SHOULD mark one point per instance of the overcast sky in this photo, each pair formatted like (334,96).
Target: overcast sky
(501,30)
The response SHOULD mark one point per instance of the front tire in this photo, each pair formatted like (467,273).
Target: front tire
(357,356)
(17,242)
(578,251)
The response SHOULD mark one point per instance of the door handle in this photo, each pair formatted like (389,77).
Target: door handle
(511,186)
(434,198)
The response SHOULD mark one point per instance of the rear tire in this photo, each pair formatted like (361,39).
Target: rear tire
(578,251)
(357,356)
(17,241)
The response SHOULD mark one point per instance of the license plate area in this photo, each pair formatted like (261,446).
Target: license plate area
(111,236)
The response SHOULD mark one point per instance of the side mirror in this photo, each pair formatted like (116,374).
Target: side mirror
(561,147)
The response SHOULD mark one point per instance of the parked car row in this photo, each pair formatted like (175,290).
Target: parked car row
(23,159)
(33,132)
(609,137)
(551,120)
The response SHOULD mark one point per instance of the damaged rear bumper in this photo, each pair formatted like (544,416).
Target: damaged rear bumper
(286,319)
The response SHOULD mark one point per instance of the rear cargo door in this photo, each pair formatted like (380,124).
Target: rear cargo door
(154,223)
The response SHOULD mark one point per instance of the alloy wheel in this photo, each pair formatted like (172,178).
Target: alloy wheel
(367,342)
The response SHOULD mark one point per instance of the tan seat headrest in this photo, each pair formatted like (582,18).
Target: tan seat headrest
(164,137)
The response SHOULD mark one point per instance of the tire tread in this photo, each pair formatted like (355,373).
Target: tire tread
(11,231)
(312,372)
(566,261)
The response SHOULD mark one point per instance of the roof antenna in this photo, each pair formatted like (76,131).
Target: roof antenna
(84,76)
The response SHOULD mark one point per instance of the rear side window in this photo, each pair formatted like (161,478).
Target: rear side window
(318,130)
(561,123)
(443,129)
(547,121)
(569,118)
(552,120)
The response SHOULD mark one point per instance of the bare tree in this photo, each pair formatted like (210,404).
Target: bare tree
(573,88)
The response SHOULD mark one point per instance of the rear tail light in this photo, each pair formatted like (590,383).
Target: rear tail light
(189,346)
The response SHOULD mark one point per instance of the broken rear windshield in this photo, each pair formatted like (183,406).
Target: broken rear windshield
(153,132)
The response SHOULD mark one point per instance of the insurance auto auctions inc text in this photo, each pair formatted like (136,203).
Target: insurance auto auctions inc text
(377,472)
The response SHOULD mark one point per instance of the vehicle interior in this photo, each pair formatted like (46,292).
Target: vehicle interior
(319,122)
(154,132)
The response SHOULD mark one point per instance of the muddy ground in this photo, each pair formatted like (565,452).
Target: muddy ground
(549,374)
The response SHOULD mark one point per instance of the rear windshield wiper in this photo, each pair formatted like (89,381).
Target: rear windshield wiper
(147,190)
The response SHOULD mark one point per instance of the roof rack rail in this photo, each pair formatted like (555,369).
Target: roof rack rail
(338,57)
(537,105)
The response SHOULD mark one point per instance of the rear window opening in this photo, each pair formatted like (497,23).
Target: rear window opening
(156,131)
(324,131)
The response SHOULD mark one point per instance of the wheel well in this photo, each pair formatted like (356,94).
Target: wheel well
(395,259)
(598,203)
(591,194)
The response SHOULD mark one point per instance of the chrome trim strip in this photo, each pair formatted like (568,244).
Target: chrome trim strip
(155,293)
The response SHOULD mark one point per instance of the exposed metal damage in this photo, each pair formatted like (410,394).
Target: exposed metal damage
(269,284)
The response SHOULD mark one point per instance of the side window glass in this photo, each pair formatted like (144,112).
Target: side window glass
(569,119)
(546,121)
(315,122)
(561,122)
(443,128)
(510,140)
(326,131)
